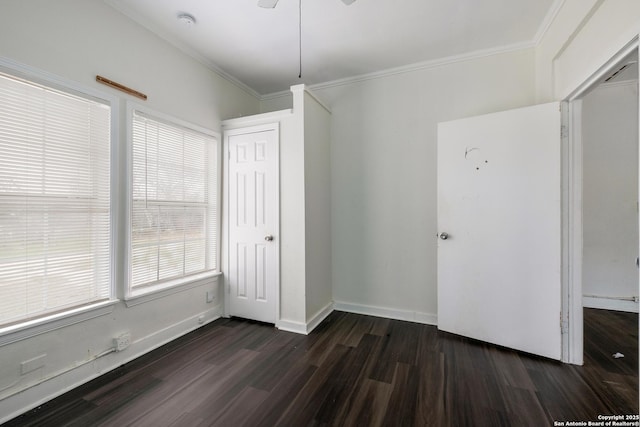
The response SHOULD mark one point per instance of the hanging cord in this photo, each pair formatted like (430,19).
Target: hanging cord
(300,36)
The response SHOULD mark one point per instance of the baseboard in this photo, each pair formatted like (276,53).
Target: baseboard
(305,328)
(610,304)
(319,317)
(389,313)
(62,382)
(292,326)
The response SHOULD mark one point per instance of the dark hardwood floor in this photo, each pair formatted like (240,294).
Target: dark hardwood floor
(355,370)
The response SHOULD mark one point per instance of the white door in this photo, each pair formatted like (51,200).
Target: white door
(252,182)
(499,276)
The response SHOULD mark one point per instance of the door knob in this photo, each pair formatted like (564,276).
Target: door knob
(443,236)
(268,238)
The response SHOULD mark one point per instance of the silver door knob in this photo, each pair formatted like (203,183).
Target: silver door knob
(268,238)
(443,236)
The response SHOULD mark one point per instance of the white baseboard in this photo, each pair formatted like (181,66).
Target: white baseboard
(292,326)
(319,317)
(59,383)
(305,328)
(610,304)
(389,313)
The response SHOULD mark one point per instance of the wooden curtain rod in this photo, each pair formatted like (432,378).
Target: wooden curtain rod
(123,88)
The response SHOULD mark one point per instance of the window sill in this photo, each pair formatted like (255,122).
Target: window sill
(141,296)
(32,328)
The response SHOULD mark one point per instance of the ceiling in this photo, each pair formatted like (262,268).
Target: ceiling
(260,48)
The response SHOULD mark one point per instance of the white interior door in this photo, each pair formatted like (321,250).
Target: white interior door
(499,277)
(252,179)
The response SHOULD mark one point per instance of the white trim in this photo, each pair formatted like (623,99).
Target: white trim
(551,15)
(142,21)
(257,119)
(165,289)
(389,313)
(317,318)
(601,73)
(572,304)
(276,95)
(36,75)
(292,326)
(81,373)
(239,129)
(572,317)
(30,329)
(610,303)
(303,88)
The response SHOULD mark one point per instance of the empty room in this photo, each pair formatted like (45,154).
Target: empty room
(319,212)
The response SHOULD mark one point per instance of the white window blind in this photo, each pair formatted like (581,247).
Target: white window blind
(54,200)
(173,205)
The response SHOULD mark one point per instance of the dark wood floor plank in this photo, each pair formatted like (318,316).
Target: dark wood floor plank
(368,406)
(239,409)
(401,408)
(283,394)
(355,370)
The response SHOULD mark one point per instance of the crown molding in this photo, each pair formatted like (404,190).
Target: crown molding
(194,54)
(425,65)
(435,63)
(548,20)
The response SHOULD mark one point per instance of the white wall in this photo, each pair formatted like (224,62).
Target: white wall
(610,191)
(317,178)
(383,175)
(78,39)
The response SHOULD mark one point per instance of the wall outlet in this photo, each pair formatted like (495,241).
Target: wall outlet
(210,296)
(122,341)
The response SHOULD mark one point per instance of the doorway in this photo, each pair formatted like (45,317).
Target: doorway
(601,182)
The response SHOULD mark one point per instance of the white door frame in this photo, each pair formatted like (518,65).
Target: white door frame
(572,235)
(225,200)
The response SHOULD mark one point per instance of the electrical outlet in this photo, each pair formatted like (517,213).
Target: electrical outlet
(122,341)
(210,296)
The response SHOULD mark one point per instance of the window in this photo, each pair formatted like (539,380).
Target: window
(55,222)
(173,217)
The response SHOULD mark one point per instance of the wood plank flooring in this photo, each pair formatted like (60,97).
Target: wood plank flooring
(355,370)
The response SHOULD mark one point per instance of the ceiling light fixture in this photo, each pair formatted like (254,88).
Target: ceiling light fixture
(186,19)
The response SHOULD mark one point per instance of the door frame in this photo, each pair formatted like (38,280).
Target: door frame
(239,129)
(572,322)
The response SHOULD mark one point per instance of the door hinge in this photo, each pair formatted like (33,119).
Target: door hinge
(563,131)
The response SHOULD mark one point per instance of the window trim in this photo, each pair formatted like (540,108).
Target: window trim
(44,323)
(159,290)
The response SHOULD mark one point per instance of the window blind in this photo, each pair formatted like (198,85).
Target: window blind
(54,200)
(173,209)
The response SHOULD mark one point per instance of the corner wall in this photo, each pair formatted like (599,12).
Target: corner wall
(317,178)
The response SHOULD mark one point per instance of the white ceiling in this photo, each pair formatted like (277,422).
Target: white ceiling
(259,47)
